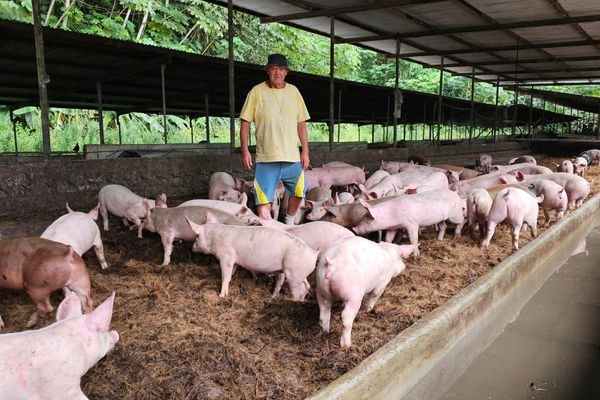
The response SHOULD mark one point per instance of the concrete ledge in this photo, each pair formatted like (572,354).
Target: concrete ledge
(425,359)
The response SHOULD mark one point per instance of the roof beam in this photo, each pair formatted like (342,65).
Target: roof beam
(543,71)
(328,12)
(472,29)
(539,60)
(475,49)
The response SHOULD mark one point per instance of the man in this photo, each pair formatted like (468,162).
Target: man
(279,115)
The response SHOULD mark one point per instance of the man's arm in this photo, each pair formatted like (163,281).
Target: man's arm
(303,135)
(244,135)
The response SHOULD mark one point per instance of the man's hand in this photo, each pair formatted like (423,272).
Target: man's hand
(247,159)
(305,159)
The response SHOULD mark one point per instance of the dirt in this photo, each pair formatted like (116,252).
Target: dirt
(179,340)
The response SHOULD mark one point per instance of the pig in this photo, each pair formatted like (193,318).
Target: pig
(507,168)
(565,166)
(591,155)
(318,177)
(479,203)
(464,173)
(577,188)
(433,207)
(41,266)
(238,210)
(343,198)
(258,249)
(522,159)
(375,178)
(337,164)
(518,207)
(483,162)
(78,230)
(579,166)
(223,186)
(314,200)
(319,235)
(493,191)
(171,224)
(346,215)
(555,198)
(484,181)
(354,268)
(122,202)
(48,363)
(334,176)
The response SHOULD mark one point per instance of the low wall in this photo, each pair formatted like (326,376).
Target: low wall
(424,360)
(37,187)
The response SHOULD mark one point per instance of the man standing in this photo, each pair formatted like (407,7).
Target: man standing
(279,115)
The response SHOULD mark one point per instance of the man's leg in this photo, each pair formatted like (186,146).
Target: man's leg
(292,177)
(266,176)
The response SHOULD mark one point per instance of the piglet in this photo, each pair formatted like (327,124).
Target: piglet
(78,230)
(258,249)
(239,210)
(590,156)
(518,207)
(579,166)
(223,186)
(349,270)
(41,266)
(479,203)
(122,202)
(555,198)
(48,363)
(565,166)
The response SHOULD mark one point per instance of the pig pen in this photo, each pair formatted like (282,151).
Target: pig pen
(179,340)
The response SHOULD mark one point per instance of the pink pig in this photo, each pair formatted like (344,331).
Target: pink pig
(580,164)
(577,188)
(41,266)
(433,207)
(48,363)
(258,249)
(354,268)
(78,230)
(239,210)
(122,202)
(479,203)
(565,166)
(518,207)
(555,197)
(222,186)
(375,178)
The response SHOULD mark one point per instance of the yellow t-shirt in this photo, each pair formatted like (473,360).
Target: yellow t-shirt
(276,114)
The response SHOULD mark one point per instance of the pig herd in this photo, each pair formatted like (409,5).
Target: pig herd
(332,235)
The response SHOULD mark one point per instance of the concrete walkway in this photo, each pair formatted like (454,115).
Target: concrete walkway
(552,349)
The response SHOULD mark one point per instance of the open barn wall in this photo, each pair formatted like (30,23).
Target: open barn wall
(38,187)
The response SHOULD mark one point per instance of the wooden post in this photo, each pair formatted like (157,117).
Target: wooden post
(191,121)
(495,134)
(164,101)
(472,105)
(396,85)
(331,80)
(14,128)
(231,76)
(100,113)
(339,113)
(439,110)
(119,127)
(207,118)
(42,78)
(514,125)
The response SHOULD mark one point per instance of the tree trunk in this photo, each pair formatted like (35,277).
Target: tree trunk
(143,25)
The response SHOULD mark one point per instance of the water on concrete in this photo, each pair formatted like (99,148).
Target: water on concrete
(551,351)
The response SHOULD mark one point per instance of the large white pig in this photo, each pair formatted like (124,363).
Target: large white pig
(375,178)
(48,363)
(517,207)
(239,210)
(483,181)
(223,186)
(479,203)
(433,207)
(555,198)
(354,268)
(577,188)
(565,166)
(580,164)
(123,203)
(171,224)
(78,230)
(258,249)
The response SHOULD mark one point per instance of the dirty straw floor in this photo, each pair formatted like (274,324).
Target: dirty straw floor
(180,341)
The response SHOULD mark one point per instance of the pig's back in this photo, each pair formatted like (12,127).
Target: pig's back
(76,229)
(117,198)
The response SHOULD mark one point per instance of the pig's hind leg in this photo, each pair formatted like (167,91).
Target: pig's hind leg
(278,284)
(99,250)
(104,214)
(348,314)
(324,310)
(374,295)
(227,267)
(41,298)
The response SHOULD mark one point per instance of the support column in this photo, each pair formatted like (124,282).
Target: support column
(331,80)
(531,112)
(119,127)
(42,78)
(231,77)
(396,86)
(100,113)
(191,121)
(472,105)
(514,125)
(439,110)
(164,101)
(339,113)
(14,129)
(495,134)
(207,118)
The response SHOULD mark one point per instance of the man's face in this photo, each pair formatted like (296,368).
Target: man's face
(276,74)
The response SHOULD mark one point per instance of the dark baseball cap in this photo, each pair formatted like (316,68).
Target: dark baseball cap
(278,60)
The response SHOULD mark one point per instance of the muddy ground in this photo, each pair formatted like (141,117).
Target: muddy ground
(179,340)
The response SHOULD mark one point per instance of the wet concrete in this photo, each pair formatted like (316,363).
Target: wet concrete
(551,350)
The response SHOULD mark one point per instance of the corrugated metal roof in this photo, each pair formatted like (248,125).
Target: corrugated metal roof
(486,34)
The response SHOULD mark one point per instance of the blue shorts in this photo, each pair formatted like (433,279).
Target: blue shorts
(268,174)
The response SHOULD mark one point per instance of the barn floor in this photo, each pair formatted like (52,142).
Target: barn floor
(179,340)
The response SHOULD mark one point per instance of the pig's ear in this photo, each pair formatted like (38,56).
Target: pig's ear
(99,319)
(147,210)
(69,210)
(364,203)
(239,183)
(503,180)
(161,201)
(261,221)
(372,195)
(362,187)
(195,227)
(329,202)
(222,195)
(540,198)
(336,199)
(520,176)
(242,211)
(243,198)
(94,212)
(69,307)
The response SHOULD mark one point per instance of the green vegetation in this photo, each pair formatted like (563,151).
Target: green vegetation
(200,27)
